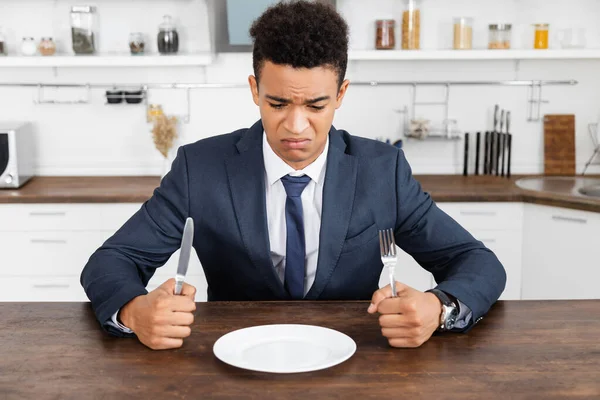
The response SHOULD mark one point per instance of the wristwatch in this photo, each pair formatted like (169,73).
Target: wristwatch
(449,310)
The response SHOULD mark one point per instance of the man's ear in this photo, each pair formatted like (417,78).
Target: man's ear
(253,88)
(341,93)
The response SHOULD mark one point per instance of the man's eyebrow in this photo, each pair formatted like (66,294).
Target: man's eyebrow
(288,101)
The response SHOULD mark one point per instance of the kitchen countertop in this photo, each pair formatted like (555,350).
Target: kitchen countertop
(521,349)
(131,189)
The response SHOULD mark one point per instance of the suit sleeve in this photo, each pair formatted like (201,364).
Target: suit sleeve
(120,269)
(461,265)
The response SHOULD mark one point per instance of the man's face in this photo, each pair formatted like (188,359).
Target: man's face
(297,108)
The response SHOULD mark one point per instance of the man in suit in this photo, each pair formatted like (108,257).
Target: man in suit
(290,209)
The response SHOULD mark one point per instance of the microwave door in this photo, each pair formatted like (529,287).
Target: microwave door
(3,152)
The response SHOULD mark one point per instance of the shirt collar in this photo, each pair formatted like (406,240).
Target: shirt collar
(276,168)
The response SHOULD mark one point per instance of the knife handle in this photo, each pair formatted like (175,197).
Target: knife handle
(496,109)
(179,284)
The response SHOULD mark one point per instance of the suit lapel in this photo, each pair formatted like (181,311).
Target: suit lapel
(247,184)
(338,199)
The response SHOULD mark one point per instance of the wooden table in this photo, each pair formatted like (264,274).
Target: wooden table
(525,349)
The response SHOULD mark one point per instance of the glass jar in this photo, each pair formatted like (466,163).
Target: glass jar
(47,46)
(500,36)
(136,43)
(2,43)
(385,34)
(83,27)
(28,47)
(463,33)
(168,38)
(541,36)
(411,26)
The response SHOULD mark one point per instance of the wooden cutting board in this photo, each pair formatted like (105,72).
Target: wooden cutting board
(559,145)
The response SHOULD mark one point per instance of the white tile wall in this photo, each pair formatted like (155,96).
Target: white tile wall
(96,139)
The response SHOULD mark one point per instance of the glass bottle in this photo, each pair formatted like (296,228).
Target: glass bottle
(136,43)
(47,46)
(411,26)
(541,36)
(83,27)
(463,33)
(28,46)
(385,34)
(2,43)
(168,38)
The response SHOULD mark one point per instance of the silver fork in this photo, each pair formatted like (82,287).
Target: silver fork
(387,247)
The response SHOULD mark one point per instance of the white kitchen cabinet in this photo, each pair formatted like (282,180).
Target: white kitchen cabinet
(560,253)
(499,227)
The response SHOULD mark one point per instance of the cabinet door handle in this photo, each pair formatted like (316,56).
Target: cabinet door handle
(51,286)
(47,214)
(479,213)
(569,219)
(53,241)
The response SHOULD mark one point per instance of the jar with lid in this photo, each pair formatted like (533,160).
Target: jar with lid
(463,33)
(83,29)
(168,38)
(411,25)
(2,44)
(47,46)
(28,47)
(500,36)
(541,36)
(385,34)
(136,43)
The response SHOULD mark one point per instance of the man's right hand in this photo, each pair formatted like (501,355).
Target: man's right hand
(161,319)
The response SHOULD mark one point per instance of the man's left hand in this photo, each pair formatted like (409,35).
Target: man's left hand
(408,320)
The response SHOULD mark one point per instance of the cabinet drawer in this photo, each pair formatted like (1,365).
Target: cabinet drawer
(47,253)
(69,217)
(491,216)
(20,288)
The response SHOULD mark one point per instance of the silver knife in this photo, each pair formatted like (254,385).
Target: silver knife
(184,255)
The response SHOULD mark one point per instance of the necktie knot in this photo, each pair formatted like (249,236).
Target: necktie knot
(294,185)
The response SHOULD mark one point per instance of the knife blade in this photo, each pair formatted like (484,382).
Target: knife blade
(493,144)
(500,143)
(508,145)
(184,255)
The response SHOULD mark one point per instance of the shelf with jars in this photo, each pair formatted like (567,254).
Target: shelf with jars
(109,60)
(457,55)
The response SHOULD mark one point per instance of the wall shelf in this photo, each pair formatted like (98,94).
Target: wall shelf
(457,55)
(109,60)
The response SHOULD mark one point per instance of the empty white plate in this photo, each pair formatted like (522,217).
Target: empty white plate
(284,348)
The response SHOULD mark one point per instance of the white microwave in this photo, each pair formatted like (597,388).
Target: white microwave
(16,154)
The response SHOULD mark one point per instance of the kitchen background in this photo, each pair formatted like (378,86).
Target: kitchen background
(101,139)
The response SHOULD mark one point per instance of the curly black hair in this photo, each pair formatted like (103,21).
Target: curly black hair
(302,34)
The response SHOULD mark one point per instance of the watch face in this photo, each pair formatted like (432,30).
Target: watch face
(451,316)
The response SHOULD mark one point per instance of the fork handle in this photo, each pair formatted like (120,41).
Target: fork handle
(392,272)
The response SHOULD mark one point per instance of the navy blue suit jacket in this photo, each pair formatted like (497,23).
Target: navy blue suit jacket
(220,183)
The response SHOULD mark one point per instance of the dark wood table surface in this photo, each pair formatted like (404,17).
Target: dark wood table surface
(521,349)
